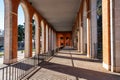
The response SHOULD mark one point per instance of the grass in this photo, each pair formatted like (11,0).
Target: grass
(33,50)
(1,54)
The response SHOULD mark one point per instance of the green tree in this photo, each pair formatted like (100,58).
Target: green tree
(33,28)
(99,7)
(21,32)
(33,31)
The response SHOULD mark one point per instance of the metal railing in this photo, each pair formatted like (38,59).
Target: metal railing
(19,70)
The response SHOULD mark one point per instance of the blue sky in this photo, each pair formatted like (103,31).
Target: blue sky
(20,15)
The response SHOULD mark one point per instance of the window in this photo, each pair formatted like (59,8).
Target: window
(61,44)
(67,38)
(67,44)
(61,38)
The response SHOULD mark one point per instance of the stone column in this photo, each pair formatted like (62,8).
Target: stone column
(79,40)
(106,33)
(88,37)
(37,38)
(78,33)
(115,35)
(75,37)
(85,27)
(51,39)
(81,33)
(10,41)
(28,39)
(93,29)
(44,37)
(47,38)
(42,27)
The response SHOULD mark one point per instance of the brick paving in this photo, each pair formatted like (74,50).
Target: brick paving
(71,65)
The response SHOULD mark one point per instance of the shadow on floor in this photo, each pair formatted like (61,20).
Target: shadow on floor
(73,53)
(79,72)
(81,59)
(23,66)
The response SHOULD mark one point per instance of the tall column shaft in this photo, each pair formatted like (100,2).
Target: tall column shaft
(78,33)
(10,41)
(54,40)
(43,31)
(85,27)
(81,33)
(115,35)
(46,38)
(93,29)
(106,33)
(37,38)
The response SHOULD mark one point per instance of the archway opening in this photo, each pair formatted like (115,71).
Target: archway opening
(21,33)
(33,35)
(35,28)
(99,29)
(1,31)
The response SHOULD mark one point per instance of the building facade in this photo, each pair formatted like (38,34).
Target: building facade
(64,39)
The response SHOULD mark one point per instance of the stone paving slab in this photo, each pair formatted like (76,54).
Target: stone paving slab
(71,65)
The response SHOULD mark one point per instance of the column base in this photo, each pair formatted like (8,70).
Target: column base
(81,53)
(106,66)
(7,61)
(88,56)
(78,50)
(115,69)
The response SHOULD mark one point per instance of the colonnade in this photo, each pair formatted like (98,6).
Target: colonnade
(46,38)
(84,33)
(85,30)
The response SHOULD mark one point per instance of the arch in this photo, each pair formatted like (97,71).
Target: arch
(42,36)
(21,32)
(26,13)
(27,28)
(36,34)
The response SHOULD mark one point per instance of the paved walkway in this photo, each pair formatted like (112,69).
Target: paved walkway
(70,65)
